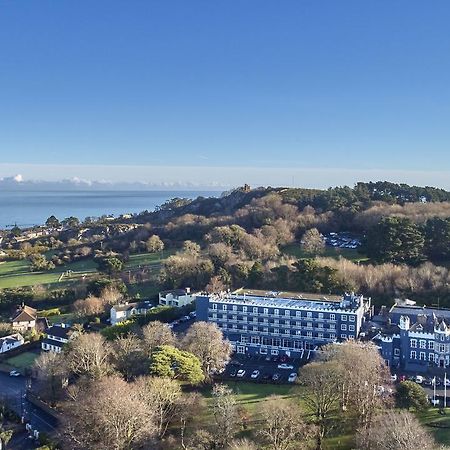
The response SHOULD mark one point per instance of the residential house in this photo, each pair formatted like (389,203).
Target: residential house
(24,319)
(120,313)
(283,323)
(9,342)
(176,297)
(56,337)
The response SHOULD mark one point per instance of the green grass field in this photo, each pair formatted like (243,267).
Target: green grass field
(331,252)
(22,361)
(153,260)
(437,424)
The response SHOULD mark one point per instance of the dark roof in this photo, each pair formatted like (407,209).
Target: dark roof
(13,338)
(175,292)
(62,332)
(416,310)
(42,323)
(129,306)
(52,342)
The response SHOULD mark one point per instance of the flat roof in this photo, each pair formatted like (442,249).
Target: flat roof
(287,294)
(416,310)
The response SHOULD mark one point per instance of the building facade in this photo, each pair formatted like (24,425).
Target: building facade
(417,339)
(120,313)
(56,337)
(177,297)
(24,319)
(10,342)
(279,323)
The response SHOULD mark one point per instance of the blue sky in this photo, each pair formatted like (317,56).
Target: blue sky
(189,88)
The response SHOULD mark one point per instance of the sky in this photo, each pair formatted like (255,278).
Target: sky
(293,92)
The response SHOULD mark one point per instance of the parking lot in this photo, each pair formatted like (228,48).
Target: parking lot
(265,368)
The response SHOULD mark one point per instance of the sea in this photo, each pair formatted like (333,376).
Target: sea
(29,208)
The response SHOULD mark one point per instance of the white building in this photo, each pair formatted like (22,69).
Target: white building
(24,319)
(9,342)
(120,313)
(176,297)
(57,337)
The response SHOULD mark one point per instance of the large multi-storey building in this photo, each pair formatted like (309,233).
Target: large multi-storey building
(416,338)
(282,322)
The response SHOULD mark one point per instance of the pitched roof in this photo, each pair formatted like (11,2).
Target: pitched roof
(25,314)
(62,332)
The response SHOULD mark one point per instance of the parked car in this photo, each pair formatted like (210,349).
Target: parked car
(394,377)
(434,401)
(14,373)
(240,373)
(192,314)
(419,379)
(255,374)
(428,381)
(292,377)
(233,373)
(275,376)
(236,363)
(285,366)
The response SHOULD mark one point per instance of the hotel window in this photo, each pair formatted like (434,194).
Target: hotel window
(276,321)
(287,312)
(255,310)
(344,318)
(332,326)
(255,328)
(413,343)
(351,318)
(286,331)
(351,328)
(276,331)
(320,335)
(332,336)
(320,325)
(332,317)
(214,306)
(298,314)
(344,327)
(430,357)
(244,339)
(244,309)
(320,315)
(343,336)
(255,339)
(224,307)
(309,314)
(234,308)
(309,334)
(309,325)
(244,327)
(422,344)
(431,345)
(422,356)
(413,354)
(299,332)
(266,311)
(276,312)
(265,330)
(441,348)
(214,316)
(234,326)
(396,352)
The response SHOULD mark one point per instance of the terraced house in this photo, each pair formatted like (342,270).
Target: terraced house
(416,338)
(283,323)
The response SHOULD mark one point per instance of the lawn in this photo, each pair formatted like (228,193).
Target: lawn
(22,361)
(437,424)
(152,260)
(331,252)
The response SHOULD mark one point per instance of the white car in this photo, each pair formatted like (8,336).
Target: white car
(419,379)
(285,366)
(255,374)
(14,373)
(394,377)
(434,401)
(292,377)
(240,373)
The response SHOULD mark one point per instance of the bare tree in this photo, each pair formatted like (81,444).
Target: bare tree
(205,340)
(156,334)
(89,306)
(163,396)
(190,407)
(361,371)
(312,241)
(395,430)
(108,414)
(283,427)
(226,416)
(242,444)
(128,356)
(322,395)
(90,355)
(154,244)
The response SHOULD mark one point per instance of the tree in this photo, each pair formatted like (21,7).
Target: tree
(242,444)
(110,265)
(52,222)
(191,248)
(128,356)
(90,306)
(89,355)
(205,340)
(52,371)
(437,238)
(154,244)
(360,397)
(163,396)
(107,414)
(411,395)
(395,430)
(5,329)
(312,242)
(226,416)
(39,263)
(71,222)
(156,334)
(283,427)
(322,395)
(168,361)
(395,239)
